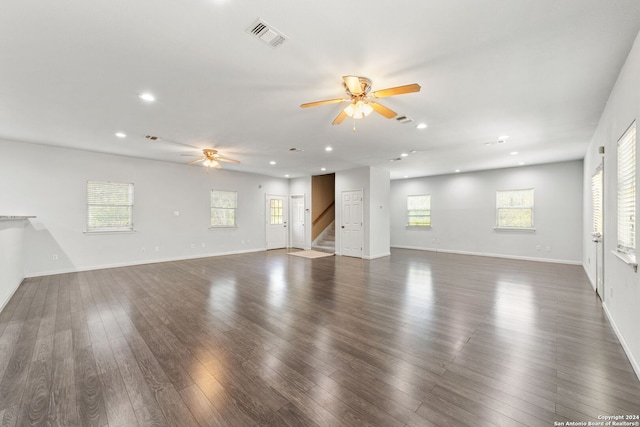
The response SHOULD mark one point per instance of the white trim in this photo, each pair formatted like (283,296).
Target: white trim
(386,254)
(522,258)
(628,259)
(523,229)
(130,264)
(634,363)
(97,232)
(4,303)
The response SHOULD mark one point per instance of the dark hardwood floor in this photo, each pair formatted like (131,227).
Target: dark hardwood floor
(416,339)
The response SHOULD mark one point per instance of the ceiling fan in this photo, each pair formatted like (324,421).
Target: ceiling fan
(211,159)
(362,101)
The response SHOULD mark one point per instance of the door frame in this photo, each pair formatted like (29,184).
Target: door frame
(267,219)
(304,220)
(361,190)
(599,240)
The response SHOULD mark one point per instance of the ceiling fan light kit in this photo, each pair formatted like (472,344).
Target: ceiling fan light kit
(211,159)
(361,102)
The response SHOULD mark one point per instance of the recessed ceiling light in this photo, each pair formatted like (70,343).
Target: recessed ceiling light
(323,169)
(421,126)
(121,134)
(286,176)
(328,148)
(457,171)
(272,162)
(514,153)
(146,96)
(404,155)
(503,137)
(413,151)
(521,163)
(406,176)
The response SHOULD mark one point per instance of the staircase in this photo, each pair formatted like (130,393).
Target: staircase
(326,241)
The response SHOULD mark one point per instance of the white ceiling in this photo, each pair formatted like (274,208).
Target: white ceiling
(539,71)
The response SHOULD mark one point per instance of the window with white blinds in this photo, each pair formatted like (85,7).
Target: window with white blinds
(627,191)
(419,210)
(223,208)
(514,208)
(109,206)
(596,202)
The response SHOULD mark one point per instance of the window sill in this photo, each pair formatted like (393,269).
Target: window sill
(417,227)
(516,229)
(226,227)
(628,259)
(109,232)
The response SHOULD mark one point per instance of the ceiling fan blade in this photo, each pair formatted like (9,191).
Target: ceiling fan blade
(340,118)
(216,165)
(222,159)
(196,161)
(381,109)
(353,84)
(328,101)
(399,90)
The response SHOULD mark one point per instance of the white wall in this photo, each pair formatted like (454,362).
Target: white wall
(622,283)
(464,213)
(11,256)
(302,186)
(51,184)
(379,213)
(375,186)
(354,179)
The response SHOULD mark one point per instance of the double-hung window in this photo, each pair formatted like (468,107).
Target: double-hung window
(224,205)
(109,206)
(514,209)
(627,192)
(419,210)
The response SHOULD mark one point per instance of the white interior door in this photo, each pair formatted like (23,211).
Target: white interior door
(297,222)
(597,209)
(351,228)
(276,214)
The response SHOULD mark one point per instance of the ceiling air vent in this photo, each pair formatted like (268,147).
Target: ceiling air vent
(266,33)
(152,137)
(404,119)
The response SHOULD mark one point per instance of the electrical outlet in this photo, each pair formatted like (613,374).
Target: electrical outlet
(547,249)
(144,249)
(157,248)
(54,257)
(176,213)
(204,244)
(611,292)
(538,248)
(193,246)
(588,260)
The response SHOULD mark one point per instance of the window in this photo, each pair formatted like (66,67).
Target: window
(223,208)
(596,202)
(276,211)
(109,206)
(627,191)
(419,211)
(514,208)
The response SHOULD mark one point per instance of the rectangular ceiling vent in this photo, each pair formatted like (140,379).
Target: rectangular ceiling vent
(266,33)
(404,119)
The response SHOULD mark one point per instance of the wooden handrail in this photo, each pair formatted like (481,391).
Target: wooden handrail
(324,212)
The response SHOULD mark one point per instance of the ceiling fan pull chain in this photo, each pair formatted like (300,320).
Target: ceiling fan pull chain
(354,124)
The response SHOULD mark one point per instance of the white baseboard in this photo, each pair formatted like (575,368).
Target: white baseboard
(522,258)
(634,363)
(377,256)
(4,303)
(129,264)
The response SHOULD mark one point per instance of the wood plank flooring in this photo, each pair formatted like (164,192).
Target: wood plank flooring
(415,339)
